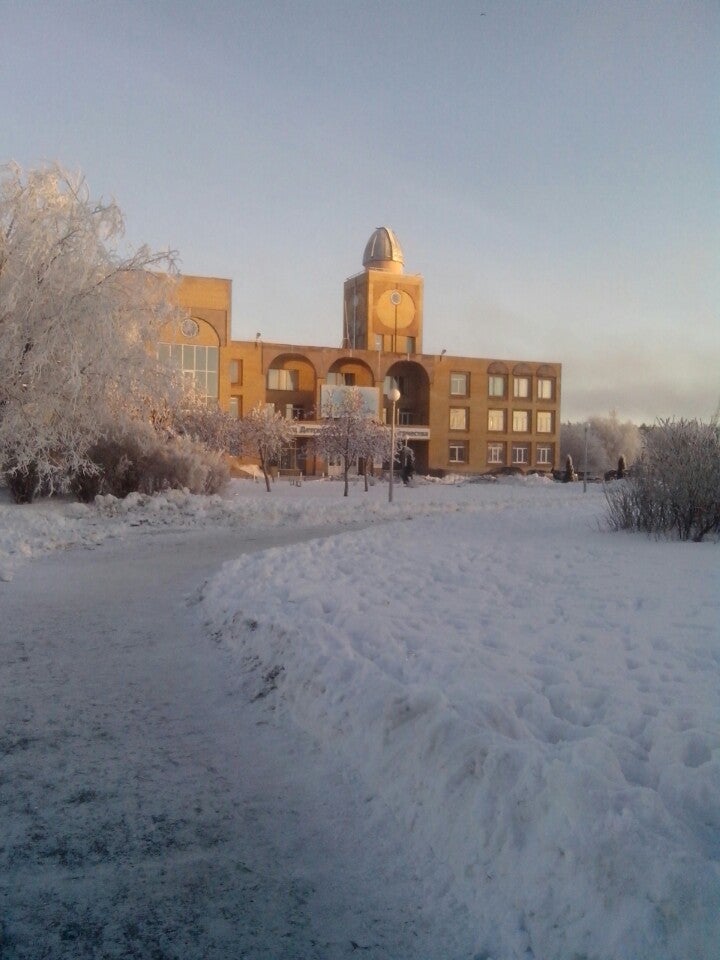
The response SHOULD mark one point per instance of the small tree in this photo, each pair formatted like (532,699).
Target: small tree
(570,476)
(76,319)
(348,433)
(375,446)
(263,434)
(621,468)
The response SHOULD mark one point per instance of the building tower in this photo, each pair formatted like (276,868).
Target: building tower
(383,306)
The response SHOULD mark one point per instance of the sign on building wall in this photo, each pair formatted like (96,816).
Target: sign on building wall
(331,399)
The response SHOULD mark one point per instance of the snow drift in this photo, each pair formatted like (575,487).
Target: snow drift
(533,696)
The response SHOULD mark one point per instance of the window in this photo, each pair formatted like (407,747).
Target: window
(459,384)
(198,363)
(545,388)
(520,453)
(236,372)
(283,379)
(378,341)
(544,422)
(341,379)
(496,420)
(521,421)
(458,452)
(497,386)
(410,344)
(458,418)
(235,407)
(545,454)
(521,387)
(496,453)
(405,417)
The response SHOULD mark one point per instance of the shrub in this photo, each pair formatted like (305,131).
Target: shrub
(139,459)
(184,465)
(23,482)
(675,486)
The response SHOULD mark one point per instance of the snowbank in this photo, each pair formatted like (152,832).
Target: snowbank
(536,698)
(58,523)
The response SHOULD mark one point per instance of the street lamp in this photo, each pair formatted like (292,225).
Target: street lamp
(393,396)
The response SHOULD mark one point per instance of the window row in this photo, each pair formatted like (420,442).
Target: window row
(459,453)
(497,420)
(498,386)
(521,421)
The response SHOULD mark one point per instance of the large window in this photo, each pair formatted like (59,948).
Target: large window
(521,421)
(458,452)
(520,453)
(544,422)
(496,420)
(545,388)
(459,384)
(459,418)
(283,379)
(496,453)
(521,387)
(198,363)
(497,386)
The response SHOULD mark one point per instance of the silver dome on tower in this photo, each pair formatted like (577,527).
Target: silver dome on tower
(383,252)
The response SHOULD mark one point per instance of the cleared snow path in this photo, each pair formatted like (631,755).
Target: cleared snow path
(150,810)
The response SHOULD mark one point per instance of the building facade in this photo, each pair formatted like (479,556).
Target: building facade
(459,414)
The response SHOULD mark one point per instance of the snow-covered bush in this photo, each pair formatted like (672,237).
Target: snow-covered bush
(184,465)
(76,318)
(138,459)
(675,486)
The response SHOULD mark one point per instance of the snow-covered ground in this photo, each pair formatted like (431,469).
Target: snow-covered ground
(499,724)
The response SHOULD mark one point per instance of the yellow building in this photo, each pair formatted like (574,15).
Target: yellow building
(459,414)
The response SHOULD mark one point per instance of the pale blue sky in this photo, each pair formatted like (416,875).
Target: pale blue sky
(551,168)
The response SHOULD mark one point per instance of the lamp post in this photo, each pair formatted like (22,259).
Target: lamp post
(393,396)
(586,425)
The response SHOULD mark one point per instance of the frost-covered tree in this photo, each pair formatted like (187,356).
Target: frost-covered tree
(264,434)
(215,429)
(76,319)
(374,446)
(349,433)
(608,439)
